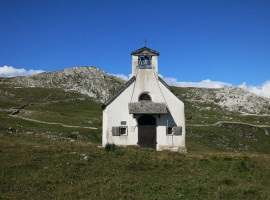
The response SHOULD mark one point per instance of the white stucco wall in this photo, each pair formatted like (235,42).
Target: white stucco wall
(116,112)
(177,112)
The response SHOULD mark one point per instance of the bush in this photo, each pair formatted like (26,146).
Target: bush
(110,147)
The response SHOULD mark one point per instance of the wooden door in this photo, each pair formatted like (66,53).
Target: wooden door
(147,136)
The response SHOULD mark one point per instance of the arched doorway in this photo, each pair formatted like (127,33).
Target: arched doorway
(147,131)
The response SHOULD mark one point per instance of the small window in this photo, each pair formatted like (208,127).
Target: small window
(144,97)
(123,130)
(123,122)
(169,130)
(174,131)
(119,130)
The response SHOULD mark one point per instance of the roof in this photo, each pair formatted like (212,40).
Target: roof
(112,98)
(147,107)
(145,51)
(169,88)
(128,83)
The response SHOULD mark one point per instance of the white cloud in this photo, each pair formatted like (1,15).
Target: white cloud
(263,90)
(9,71)
(202,84)
(122,76)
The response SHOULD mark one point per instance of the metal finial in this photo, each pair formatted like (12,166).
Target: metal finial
(145,41)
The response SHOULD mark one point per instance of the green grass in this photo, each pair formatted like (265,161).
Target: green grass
(228,138)
(10,95)
(77,112)
(24,126)
(39,161)
(51,105)
(34,167)
(198,112)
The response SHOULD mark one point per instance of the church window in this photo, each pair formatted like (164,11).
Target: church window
(144,97)
(123,130)
(145,61)
(119,130)
(174,131)
(169,130)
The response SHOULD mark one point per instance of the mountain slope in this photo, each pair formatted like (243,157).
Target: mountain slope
(233,99)
(99,85)
(85,80)
(226,119)
(210,106)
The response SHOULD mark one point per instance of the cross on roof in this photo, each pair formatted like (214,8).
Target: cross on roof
(145,41)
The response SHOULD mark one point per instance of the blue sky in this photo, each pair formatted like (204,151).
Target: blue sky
(222,41)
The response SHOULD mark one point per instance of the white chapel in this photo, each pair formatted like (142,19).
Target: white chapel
(145,112)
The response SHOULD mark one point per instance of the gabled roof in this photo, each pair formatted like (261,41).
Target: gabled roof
(112,98)
(145,51)
(169,88)
(130,81)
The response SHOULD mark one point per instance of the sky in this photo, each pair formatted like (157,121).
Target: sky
(202,43)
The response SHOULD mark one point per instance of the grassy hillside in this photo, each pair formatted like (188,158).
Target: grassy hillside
(35,167)
(53,161)
(199,110)
(50,106)
(249,134)
(228,138)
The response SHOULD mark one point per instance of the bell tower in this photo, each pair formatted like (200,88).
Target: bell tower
(144,58)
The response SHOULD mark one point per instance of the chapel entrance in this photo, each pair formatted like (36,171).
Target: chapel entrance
(147,131)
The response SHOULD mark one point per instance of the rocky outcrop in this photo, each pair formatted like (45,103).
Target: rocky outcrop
(86,80)
(100,86)
(233,99)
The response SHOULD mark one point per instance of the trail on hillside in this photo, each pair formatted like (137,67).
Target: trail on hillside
(257,115)
(15,112)
(228,122)
(52,123)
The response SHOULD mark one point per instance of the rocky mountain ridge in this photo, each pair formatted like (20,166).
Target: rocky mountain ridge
(99,85)
(88,80)
(233,99)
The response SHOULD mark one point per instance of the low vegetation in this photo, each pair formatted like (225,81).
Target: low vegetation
(50,161)
(35,167)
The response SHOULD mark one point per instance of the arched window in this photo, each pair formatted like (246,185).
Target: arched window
(144,97)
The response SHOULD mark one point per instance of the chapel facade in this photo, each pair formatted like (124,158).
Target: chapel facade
(145,111)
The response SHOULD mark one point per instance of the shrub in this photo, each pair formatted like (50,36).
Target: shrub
(110,147)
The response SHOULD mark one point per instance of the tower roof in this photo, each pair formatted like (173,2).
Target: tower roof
(145,51)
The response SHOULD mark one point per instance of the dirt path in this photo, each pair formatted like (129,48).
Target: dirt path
(257,115)
(225,122)
(52,123)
